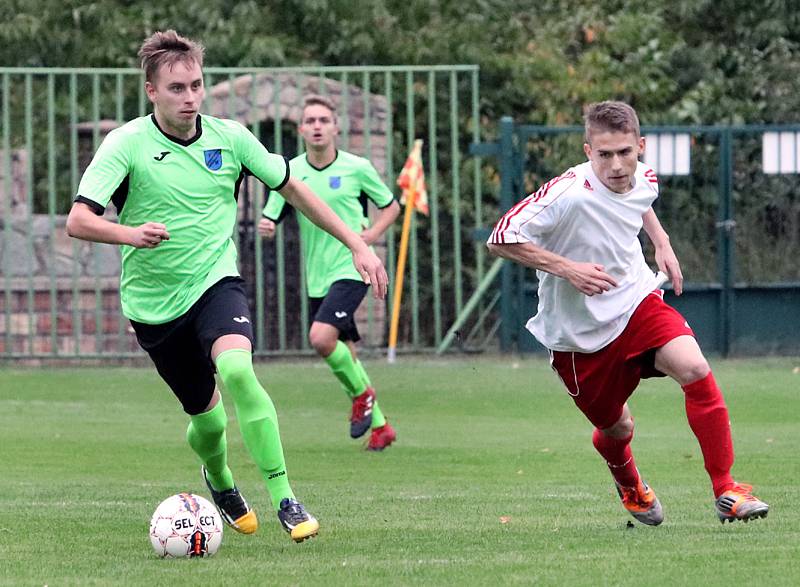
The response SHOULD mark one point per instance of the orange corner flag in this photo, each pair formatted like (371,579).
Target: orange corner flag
(412,180)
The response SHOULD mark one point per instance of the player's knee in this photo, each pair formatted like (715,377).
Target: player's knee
(321,342)
(239,377)
(236,370)
(694,370)
(622,428)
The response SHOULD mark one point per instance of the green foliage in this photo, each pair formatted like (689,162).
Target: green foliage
(541,61)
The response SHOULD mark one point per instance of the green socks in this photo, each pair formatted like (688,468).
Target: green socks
(353,377)
(258,420)
(344,368)
(363,374)
(206,436)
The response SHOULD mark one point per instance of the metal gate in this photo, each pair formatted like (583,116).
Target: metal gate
(59,297)
(730,199)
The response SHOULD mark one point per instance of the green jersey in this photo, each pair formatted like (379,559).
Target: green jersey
(191,187)
(345,185)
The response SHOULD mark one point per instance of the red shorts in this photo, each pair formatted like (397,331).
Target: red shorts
(601,382)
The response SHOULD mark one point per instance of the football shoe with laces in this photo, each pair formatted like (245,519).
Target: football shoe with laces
(361,413)
(642,503)
(233,508)
(381,437)
(738,503)
(296,520)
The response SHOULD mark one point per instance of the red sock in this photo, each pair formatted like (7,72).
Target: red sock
(618,456)
(708,419)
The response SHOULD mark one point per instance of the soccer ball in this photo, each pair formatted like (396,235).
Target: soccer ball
(185,525)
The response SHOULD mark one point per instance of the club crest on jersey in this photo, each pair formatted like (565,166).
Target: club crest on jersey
(335,182)
(213,158)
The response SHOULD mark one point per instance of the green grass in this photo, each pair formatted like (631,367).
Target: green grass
(87,454)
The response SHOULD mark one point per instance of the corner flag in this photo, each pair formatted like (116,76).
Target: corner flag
(415,197)
(412,180)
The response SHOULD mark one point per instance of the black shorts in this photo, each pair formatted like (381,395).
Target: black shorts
(338,307)
(181,348)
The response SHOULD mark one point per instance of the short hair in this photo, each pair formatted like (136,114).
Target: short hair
(168,47)
(610,116)
(317,100)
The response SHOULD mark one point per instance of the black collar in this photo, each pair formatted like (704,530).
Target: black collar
(174,139)
(335,157)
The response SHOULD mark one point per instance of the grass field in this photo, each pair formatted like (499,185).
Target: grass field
(493,481)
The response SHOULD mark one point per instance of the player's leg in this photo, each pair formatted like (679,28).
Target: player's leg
(324,338)
(600,384)
(333,334)
(206,436)
(382,434)
(182,363)
(614,445)
(224,329)
(378,419)
(258,422)
(682,359)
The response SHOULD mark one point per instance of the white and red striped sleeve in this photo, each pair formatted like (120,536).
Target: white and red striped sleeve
(651,178)
(533,216)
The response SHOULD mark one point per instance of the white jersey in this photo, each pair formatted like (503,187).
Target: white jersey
(574,215)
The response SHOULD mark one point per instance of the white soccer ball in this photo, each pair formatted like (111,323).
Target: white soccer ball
(185,525)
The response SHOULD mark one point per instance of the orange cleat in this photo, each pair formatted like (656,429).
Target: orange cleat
(738,503)
(642,503)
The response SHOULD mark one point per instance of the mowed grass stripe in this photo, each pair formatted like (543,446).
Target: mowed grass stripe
(493,480)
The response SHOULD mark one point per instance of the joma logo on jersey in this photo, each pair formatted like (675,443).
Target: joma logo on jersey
(213,158)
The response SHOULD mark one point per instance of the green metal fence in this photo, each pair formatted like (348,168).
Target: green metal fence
(730,199)
(58,296)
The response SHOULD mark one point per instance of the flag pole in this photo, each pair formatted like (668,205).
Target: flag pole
(412,180)
(398,281)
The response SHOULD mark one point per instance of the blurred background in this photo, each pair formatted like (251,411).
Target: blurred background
(495,89)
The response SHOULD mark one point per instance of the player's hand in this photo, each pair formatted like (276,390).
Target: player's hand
(369,236)
(668,263)
(149,235)
(266,228)
(372,271)
(589,278)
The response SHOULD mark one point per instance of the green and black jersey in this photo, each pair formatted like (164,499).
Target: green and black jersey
(188,185)
(345,185)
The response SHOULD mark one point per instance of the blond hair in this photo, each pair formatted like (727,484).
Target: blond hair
(168,47)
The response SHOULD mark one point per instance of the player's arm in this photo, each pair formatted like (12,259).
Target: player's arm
(382,197)
(108,168)
(367,263)
(84,224)
(666,259)
(383,220)
(274,211)
(587,278)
